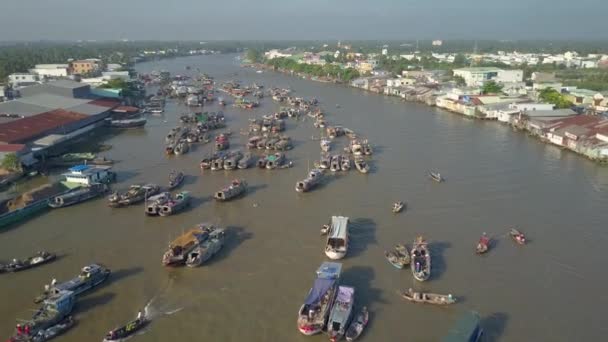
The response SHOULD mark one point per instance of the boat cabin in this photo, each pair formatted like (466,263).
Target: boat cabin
(60,301)
(329,270)
(337,238)
(87,174)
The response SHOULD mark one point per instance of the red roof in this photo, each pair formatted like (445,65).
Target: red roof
(577,120)
(106,102)
(33,126)
(11,147)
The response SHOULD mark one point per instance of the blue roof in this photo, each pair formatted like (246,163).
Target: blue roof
(329,270)
(318,290)
(79,168)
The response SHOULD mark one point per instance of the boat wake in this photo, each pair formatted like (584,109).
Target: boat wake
(159,306)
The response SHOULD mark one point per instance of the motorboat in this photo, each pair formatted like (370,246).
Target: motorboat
(483,245)
(398,257)
(90,276)
(337,238)
(129,329)
(398,206)
(40,258)
(358,325)
(207,248)
(341,313)
(518,236)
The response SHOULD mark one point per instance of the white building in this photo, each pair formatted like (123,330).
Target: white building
(384,51)
(51,70)
(272,54)
(22,79)
(475,77)
(437,42)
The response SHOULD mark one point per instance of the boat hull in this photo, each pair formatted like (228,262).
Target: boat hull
(335,255)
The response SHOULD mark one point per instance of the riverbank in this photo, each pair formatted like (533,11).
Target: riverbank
(590,139)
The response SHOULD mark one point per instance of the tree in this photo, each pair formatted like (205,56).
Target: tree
(11,162)
(253,56)
(460,81)
(491,87)
(459,60)
(551,95)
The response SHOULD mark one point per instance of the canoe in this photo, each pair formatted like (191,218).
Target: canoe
(398,206)
(40,258)
(356,327)
(399,257)
(518,236)
(429,298)
(483,245)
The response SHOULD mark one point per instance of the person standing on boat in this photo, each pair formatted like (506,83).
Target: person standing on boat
(140,315)
(27,329)
(19,330)
(53,282)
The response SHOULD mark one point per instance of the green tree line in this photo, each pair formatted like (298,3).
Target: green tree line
(331,70)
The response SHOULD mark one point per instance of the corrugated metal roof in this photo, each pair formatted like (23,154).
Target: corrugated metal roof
(11,147)
(20,108)
(53,101)
(22,130)
(89,109)
(67,84)
(110,103)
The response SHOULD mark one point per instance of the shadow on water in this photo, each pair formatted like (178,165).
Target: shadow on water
(124,273)
(196,202)
(363,233)
(438,264)
(235,236)
(189,180)
(252,189)
(125,175)
(494,326)
(361,277)
(92,302)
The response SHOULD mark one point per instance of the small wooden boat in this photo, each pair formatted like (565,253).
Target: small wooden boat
(518,236)
(399,257)
(421,259)
(175,179)
(356,327)
(135,194)
(127,330)
(436,176)
(398,206)
(483,245)
(176,204)
(361,165)
(182,147)
(40,258)
(429,298)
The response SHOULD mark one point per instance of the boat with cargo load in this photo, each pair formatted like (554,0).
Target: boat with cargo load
(398,257)
(135,194)
(207,248)
(313,314)
(178,250)
(124,332)
(429,298)
(40,258)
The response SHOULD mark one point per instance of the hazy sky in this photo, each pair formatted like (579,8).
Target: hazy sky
(296,19)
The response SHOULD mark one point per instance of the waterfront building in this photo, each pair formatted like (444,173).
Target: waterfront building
(85,66)
(18,80)
(51,70)
(477,76)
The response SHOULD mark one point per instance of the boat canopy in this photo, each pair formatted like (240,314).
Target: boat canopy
(339,227)
(318,290)
(329,270)
(345,294)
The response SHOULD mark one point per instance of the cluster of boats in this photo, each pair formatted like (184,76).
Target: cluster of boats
(194,130)
(268,123)
(270,142)
(155,105)
(485,242)
(195,246)
(330,306)
(58,300)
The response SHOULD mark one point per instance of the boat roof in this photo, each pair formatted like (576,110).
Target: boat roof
(86,169)
(339,227)
(192,236)
(466,329)
(329,270)
(319,289)
(345,294)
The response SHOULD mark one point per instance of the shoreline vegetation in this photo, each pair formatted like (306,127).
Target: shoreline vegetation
(315,74)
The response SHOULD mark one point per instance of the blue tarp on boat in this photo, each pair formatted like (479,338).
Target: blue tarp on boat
(320,287)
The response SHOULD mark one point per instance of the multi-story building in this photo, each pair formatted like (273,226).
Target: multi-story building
(22,79)
(85,66)
(51,70)
(479,75)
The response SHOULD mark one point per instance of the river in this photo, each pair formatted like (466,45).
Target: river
(549,290)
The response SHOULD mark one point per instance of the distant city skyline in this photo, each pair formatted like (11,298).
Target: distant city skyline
(302,20)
